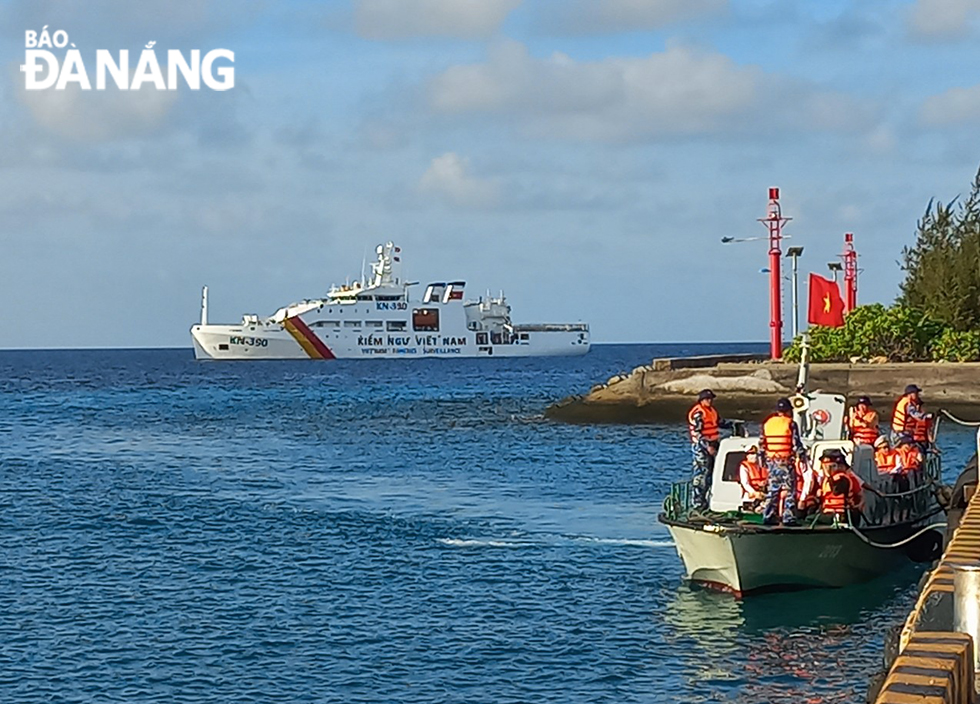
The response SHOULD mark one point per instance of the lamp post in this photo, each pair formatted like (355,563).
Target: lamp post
(794,253)
(834,268)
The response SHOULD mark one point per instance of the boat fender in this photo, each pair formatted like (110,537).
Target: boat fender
(927,547)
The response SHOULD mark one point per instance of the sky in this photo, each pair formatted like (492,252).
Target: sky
(584,156)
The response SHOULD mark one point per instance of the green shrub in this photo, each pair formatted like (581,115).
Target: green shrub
(957,346)
(899,333)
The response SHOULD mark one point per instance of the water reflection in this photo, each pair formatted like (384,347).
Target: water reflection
(813,646)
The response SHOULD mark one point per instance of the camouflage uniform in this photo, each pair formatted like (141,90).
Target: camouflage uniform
(782,477)
(704,464)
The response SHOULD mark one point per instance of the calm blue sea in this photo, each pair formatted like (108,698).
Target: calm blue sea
(381,531)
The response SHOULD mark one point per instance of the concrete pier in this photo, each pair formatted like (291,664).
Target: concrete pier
(665,389)
(934,662)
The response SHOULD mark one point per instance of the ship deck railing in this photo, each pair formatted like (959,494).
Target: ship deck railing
(901,507)
(552,327)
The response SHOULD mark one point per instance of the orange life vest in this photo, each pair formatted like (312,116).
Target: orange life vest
(777,437)
(709,422)
(885,459)
(901,420)
(920,430)
(837,503)
(864,426)
(909,456)
(756,474)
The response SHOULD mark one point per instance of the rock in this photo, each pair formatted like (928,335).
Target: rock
(754,383)
(878,360)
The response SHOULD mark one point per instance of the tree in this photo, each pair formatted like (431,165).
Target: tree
(942,268)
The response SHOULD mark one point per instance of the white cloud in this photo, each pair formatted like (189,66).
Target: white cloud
(95,116)
(448,179)
(601,16)
(680,91)
(942,19)
(954,107)
(400,19)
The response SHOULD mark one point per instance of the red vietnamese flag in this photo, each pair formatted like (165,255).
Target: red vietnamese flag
(826,305)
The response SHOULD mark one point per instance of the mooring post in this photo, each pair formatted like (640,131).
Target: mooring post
(966,607)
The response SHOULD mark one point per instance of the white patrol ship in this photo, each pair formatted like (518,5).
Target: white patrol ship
(376,318)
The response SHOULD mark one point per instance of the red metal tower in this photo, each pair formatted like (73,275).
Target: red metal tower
(774,222)
(850,258)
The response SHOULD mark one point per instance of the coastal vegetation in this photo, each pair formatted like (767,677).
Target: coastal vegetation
(937,314)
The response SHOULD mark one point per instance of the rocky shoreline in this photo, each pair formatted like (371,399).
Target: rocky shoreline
(665,389)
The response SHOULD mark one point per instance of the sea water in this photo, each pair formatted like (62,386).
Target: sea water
(379,531)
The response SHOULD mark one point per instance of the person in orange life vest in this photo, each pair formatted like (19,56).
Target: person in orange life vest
(908,456)
(812,475)
(782,444)
(842,492)
(753,476)
(704,425)
(908,411)
(884,456)
(862,422)
(922,430)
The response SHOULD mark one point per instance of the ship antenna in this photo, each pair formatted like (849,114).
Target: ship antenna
(363,264)
(204,306)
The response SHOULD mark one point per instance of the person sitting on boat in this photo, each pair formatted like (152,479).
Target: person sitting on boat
(842,493)
(704,426)
(908,411)
(908,456)
(884,456)
(782,445)
(812,479)
(753,477)
(862,422)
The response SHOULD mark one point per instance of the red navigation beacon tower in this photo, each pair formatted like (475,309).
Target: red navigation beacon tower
(774,222)
(850,258)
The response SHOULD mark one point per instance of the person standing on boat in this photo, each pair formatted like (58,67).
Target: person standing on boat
(842,493)
(704,426)
(908,411)
(782,445)
(862,422)
(753,476)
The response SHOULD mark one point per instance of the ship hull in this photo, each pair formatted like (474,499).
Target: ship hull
(274,341)
(761,560)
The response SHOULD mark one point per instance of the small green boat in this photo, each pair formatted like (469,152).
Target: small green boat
(728,549)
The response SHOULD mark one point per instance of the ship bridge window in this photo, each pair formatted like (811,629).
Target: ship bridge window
(352,323)
(732,462)
(325,324)
(374,324)
(365,298)
(396,325)
(425,319)
(389,298)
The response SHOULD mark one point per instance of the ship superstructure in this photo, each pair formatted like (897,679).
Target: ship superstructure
(375,317)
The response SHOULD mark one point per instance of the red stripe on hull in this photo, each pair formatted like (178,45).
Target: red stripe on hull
(318,345)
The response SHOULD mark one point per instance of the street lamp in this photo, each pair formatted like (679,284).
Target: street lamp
(795,253)
(834,268)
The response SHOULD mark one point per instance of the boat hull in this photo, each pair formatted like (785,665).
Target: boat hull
(757,560)
(273,341)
